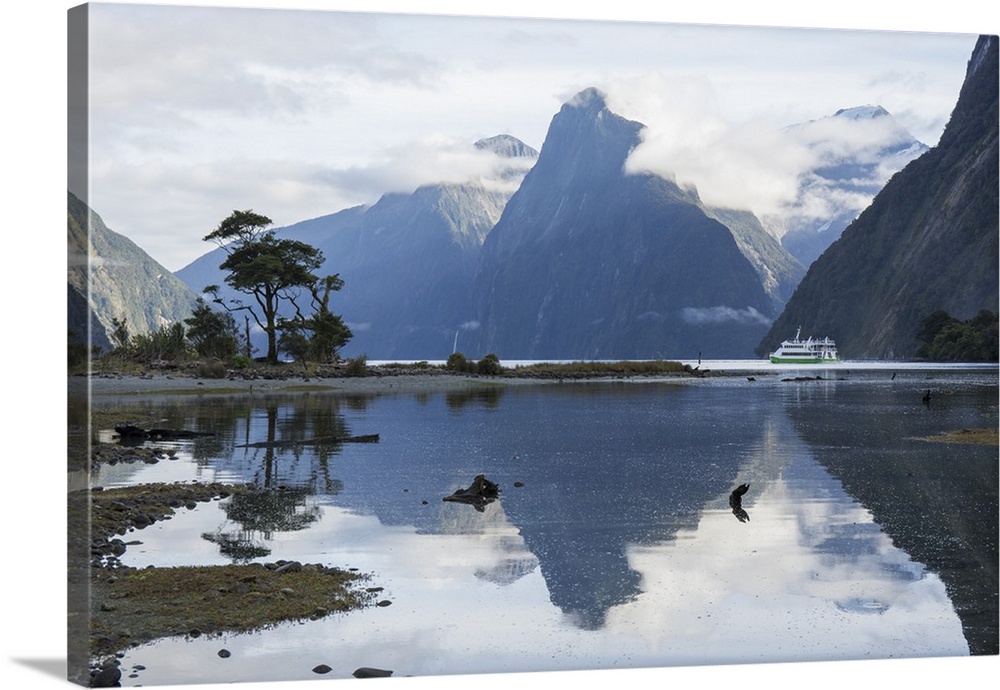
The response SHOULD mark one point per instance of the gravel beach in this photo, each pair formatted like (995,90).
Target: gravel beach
(117,384)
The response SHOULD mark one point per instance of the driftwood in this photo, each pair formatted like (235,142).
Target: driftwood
(129,432)
(479,494)
(317,441)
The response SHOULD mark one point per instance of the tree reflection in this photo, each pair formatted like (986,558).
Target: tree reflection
(261,514)
(488,397)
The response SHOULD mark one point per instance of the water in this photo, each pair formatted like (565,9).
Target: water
(620,548)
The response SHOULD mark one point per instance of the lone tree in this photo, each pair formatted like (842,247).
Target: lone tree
(264,267)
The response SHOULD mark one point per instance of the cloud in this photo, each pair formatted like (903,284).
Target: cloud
(432,159)
(191,198)
(240,60)
(737,165)
(777,171)
(722,314)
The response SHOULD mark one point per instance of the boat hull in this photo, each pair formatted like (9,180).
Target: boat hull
(802,360)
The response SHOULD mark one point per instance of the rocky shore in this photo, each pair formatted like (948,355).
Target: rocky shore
(130,606)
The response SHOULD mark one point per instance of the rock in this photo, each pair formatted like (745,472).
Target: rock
(225,653)
(480,493)
(141,520)
(366,672)
(107,677)
(384,603)
(322,668)
(289,567)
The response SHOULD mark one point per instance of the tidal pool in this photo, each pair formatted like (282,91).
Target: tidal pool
(613,543)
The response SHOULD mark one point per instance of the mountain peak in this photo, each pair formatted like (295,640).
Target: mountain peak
(506,146)
(591,97)
(862,112)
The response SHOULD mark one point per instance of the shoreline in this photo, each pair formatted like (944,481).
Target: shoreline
(378,380)
(123,384)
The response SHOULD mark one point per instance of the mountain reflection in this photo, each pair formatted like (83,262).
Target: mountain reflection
(937,501)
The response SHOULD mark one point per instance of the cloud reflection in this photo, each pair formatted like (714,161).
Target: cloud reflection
(777,589)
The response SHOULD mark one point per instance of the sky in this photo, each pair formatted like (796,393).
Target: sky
(296,113)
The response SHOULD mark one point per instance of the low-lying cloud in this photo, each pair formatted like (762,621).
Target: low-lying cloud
(722,314)
(433,159)
(775,170)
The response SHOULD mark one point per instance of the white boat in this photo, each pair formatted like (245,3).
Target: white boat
(809,351)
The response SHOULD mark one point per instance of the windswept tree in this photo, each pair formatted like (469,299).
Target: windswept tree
(269,270)
(328,331)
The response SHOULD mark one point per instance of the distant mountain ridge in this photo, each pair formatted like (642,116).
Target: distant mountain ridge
(408,261)
(927,242)
(113,278)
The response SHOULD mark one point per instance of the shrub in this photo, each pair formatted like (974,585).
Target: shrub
(163,344)
(489,365)
(458,363)
(212,333)
(357,366)
(211,369)
(241,362)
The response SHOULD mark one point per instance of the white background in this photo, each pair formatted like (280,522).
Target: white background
(33,222)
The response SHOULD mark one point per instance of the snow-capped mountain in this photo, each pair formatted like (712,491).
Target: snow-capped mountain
(856,151)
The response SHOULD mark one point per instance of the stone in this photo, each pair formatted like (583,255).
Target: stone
(107,677)
(289,567)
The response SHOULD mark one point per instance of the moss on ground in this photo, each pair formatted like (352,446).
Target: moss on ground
(983,435)
(130,606)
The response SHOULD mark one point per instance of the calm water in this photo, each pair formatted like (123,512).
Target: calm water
(620,549)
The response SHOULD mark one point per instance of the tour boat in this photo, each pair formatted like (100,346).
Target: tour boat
(809,351)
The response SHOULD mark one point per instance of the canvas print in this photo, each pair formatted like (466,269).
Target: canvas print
(415,345)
